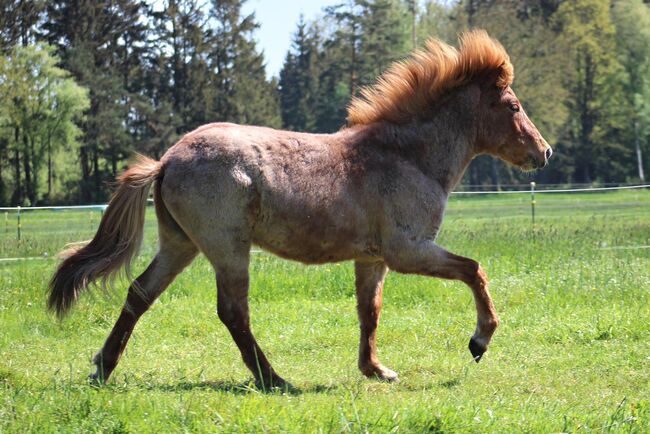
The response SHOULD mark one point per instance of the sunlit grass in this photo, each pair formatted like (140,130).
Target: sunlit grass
(572,353)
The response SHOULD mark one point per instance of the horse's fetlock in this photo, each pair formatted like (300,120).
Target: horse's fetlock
(488,326)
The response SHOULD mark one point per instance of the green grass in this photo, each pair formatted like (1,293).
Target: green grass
(572,353)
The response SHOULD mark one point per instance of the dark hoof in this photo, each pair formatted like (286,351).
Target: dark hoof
(96,380)
(476,349)
(276,384)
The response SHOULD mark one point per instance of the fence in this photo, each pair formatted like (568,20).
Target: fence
(70,223)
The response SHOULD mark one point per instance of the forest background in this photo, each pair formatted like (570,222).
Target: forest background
(84,85)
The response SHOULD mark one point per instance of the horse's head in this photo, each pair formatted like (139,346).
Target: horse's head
(505,131)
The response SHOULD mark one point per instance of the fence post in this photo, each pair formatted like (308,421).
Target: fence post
(532,200)
(6,222)
(18,228)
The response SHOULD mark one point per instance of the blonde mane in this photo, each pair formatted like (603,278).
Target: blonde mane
(408,88)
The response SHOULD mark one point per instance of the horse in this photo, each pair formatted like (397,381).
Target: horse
(374,193)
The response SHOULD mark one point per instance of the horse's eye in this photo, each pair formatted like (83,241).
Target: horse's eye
(514,107)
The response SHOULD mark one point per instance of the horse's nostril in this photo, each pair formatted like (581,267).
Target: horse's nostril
(548,153)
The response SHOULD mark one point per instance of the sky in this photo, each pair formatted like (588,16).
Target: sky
(278,20)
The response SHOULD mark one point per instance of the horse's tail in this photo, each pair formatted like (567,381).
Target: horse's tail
(115,244)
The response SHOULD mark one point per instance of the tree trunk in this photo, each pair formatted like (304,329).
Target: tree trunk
(414,8)
(3,158)
(28,169)
(353,65)
(85,174)
(96,176)
(17,196)
(49,169)
(638,152)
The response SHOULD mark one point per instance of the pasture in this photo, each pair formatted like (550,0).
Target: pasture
(572,353)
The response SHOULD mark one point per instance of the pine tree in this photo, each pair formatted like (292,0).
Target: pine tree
(385,37)
(243,94)
(18,22)
(299,81)
(179,63)
(95,41)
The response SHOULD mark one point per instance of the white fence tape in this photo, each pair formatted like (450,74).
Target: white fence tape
(53,208)
(103,207)
(561,190)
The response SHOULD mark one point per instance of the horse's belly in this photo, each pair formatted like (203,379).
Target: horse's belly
(307,256)
(311,243)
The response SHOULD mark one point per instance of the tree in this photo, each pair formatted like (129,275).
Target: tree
(632,19)
(18,22)
(594,80)
(385,37)
(178,74)
(98,43)
(437,20)
(299,81)
(40,104)
(242,92)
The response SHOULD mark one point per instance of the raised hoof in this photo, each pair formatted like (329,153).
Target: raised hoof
(476,349)
(381,373)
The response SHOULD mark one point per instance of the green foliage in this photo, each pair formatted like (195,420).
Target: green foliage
(320,74)
(155,71)
(39,106)
(595,81)
(243,94)
(632,19)
(299,81)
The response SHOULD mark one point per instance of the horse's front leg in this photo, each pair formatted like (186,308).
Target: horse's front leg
(369,284)
(427,258)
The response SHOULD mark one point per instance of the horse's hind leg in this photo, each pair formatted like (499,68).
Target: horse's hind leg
(175,253)
(231,266)
(369,285)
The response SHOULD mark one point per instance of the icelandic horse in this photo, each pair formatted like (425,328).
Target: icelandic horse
(373,192)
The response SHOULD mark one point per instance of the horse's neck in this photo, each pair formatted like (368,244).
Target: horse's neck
(442,147)
(447,152)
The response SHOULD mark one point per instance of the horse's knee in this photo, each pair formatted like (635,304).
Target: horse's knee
(232,314)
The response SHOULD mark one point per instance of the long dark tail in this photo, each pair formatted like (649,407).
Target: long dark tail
(115,244)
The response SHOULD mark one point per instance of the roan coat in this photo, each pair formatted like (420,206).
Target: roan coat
(374,192)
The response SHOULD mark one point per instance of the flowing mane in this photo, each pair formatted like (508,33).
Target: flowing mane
(408,88)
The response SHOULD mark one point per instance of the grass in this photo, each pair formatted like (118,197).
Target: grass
(572,353)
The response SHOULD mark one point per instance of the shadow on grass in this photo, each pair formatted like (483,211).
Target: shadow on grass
(235,388)
(450,384)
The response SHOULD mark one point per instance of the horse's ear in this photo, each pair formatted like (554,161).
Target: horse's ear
(495,79)
(490,79)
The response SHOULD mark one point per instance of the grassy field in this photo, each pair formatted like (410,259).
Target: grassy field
(572,353)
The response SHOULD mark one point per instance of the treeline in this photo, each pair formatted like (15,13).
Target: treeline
(85,84)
